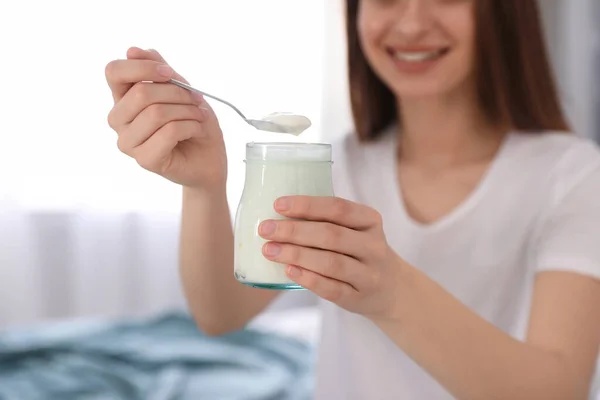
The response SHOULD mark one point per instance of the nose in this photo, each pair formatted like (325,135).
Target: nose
(413,18)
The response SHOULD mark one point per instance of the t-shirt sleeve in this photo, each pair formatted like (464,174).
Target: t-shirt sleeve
(569,238)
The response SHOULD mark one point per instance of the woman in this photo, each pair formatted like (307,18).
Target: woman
(460,258)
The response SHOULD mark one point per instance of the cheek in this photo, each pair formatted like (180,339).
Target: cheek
(465,33)
(467,50)
(370,31)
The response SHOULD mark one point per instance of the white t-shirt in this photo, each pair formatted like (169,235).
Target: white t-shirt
(536,209)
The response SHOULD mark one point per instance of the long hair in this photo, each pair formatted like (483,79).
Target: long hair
(514,79)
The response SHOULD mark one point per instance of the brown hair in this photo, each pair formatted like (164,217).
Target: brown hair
(514,80)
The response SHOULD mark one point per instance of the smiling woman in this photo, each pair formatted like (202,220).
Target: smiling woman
(459,256)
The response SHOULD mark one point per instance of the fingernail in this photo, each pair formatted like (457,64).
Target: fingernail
(272,249)
(294,272)
(165,70)
(267,228)
(283,204)
(198,98)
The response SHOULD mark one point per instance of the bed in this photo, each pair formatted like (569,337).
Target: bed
(161,357)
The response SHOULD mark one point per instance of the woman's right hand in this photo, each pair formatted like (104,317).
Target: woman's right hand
(166,129)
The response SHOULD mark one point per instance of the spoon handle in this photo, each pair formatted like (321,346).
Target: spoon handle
(192,89)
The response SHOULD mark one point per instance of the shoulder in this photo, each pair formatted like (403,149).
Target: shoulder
(564,160)
(554,144)
(568,228)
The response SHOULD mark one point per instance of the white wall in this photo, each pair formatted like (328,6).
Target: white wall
(336,117)
(575,49)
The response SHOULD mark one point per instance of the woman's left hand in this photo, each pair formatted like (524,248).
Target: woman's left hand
(336,249)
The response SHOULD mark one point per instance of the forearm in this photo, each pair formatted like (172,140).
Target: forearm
(469,356)
(217,300)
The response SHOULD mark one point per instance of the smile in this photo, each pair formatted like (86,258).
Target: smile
(417,60)
(418,56)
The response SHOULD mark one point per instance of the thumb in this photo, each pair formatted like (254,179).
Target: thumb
(135,53)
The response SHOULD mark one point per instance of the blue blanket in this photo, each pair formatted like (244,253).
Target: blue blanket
(164,358)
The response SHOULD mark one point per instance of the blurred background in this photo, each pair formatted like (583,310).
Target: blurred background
(84,231)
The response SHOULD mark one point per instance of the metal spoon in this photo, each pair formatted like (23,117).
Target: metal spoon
(299,124)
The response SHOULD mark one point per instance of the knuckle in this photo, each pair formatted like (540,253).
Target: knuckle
(157,114)
(176,131)
(187,130)
(333,235)
(183,96)
(340,207)
(310,281)
(332,265)
(377,218)
(112,123)
(288,230)
(171,130)
(122,146)
(146,161)
(333,293)
(191,113)
(110,70)
(301,205)
(197,130)
(377,248)
(141,92)
(294,255)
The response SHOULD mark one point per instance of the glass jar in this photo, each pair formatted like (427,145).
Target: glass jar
(274,170)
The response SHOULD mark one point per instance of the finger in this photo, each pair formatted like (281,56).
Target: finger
(326,288)
(121,75)
(331,209)
(326,263)
(156,154)
(152,119)
(320,235)
(135,53)
(144,94)
(141,54)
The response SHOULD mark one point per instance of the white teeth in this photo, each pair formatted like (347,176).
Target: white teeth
(417,56)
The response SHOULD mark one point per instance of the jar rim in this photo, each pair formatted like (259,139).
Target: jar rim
(288,144)
(288,151)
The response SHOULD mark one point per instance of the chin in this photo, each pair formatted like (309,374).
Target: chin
(441,84)
(416,90)
(435,84)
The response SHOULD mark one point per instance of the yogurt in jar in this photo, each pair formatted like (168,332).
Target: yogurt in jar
(274,170)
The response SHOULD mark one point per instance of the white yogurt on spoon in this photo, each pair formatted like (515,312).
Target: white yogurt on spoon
(282,122)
